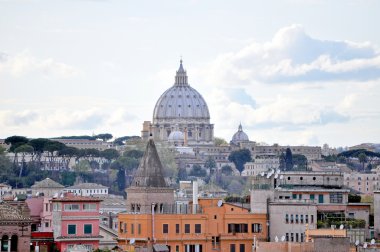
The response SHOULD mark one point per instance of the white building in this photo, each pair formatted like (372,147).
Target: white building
(261,164)
(87,189)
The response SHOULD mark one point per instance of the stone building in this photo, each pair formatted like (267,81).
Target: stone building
(14,229)
(184,107)
(149,189)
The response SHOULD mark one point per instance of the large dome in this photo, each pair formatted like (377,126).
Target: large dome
(181,102)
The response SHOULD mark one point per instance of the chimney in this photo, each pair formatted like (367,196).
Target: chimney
(195,196)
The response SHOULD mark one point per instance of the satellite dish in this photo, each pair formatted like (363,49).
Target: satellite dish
(276,176)
(37,193)
(282,177)
(55,195)
(283,238)
(132,241)
(373,242)
(15,199)
(278,171)
(262,174)
(341,226)
(365,245)
(220,203)
(357,242)
(276,239)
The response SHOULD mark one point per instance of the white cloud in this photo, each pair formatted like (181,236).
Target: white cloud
(294,56)
(24,63)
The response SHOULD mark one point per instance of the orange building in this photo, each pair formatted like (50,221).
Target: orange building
(226,227)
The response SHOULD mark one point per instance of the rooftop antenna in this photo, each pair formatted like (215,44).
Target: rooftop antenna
(276,239)
(373,242)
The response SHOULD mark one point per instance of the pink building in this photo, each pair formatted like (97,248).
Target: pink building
(76,222)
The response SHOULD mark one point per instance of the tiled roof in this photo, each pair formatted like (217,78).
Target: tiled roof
(10,213)
(47,183)
(71,197)
(87,186)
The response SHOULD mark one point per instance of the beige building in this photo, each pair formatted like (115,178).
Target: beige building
(376,212)
(262,163)
(86,144)
(365,183)
(87,189)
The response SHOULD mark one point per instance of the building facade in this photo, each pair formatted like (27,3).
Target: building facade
(76,222)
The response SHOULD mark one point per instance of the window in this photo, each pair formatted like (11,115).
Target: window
(287,218)
(294,196)
(193,248)
(301,218)
(89,207)
(71,229)
(242,247)
(237,228)
(187,228)
(312,197)
(296,237)
(165,228)
(125,228)
(291,218)
(311,218)
(256,228)
(71,207)
(336,197)
(87,229)
(232,248)
(177,228)
(296,218)
(176,248)
(351,215)
(287,236)
(121,227)
(215,241)
(292,237)
(139,228)
(320,198)
(198,228)
(302,237)
(46,224)
(132,229)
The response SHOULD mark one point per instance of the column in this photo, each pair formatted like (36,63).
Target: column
(9,244)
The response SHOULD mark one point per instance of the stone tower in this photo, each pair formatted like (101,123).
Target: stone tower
(149,188)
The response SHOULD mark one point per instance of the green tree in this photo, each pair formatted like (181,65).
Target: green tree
(15,141)
(83,166)
(67,154)
(219,141)
(197,171)
(137,154)
(24,150)
(105,137)
(239,158)
(226,170)
(210,164)
(288,160)
(52,148)
(362,159)
(299,162)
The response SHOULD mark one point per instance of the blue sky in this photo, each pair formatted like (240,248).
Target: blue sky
(292,71)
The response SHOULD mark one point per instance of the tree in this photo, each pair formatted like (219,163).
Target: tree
(38,145)
(67,154)
(182,174)
(362,159)
(53,147)
(105,137)
(137,154)
(226,170)
(219,141)
(121,182)
(210,164)
(23,149)
(288,160)
(239,158)
(299,162)
(15,141)
(197,171)
(109,155)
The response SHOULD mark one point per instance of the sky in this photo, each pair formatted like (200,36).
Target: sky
(293,72)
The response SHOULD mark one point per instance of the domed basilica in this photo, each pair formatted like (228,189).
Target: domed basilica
(181,109)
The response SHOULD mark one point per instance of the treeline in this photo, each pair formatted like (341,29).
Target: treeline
(36,159)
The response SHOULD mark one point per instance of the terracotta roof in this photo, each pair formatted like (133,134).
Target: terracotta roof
(87,186)
(71,197)
(47,183)
(10,213)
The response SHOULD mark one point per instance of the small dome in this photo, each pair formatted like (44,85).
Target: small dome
(176,136)
(239,136)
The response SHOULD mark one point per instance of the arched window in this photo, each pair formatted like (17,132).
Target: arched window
(14,242)
(4,243)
